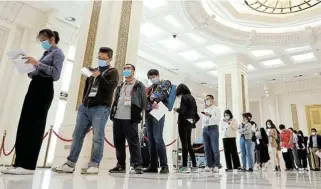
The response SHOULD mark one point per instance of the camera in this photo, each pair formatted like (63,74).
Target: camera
(174,36)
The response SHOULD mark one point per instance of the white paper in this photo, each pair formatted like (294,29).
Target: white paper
(86,72)
(284,150)
(20,64)
(159,112)
(318,154)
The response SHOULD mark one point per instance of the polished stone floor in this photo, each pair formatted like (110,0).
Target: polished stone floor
(45,179)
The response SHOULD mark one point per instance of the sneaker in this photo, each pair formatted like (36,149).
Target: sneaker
(195,170)
(6,169)
(65,168)
(117,169)
(250,170)
(216,170)
(228,170)
(151,170)
(164,170)
(139,170)
(18,171)
(241,169)
(184,170)
(207,169)
(90,171)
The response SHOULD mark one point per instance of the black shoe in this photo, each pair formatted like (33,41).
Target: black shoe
(220,166)
(241,169)
(139,170)
(228,170)
(317,169)
(118,169)
(151,170)
(250,170)
(164,170)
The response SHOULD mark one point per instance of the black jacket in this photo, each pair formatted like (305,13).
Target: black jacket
(138,101)
(318,141)
(107,82)
(188,110)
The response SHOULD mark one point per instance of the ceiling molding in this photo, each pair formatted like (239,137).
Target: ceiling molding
(206,24)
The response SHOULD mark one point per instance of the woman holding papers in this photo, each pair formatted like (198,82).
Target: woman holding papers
(37,102)
(187,117)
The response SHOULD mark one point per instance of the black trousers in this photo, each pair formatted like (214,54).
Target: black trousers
(231,156)
(32,122)
(303,158)
(126,130)
(288,159)
(185,132)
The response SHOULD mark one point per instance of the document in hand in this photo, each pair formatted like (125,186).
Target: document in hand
(20,64)
(318,154)
(86,72)
(159,112)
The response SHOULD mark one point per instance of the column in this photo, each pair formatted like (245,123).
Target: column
(106,23)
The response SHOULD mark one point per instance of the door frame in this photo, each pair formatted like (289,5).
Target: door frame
(308,119)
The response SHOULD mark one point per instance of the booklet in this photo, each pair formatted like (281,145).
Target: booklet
(18,58)
(159,112)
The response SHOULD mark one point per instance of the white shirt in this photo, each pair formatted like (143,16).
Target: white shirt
(215,117)
(228,130)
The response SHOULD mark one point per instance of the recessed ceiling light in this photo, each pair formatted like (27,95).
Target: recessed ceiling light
(206,65)
(297,49)
(153,4)
(298,75)
(172,43)
(149,30)
(173,21)
(219,49)
(190,55)
(196,38)
(272,63)
(213,73)
(250,67)
(262,53)
(70,19)
(303,57)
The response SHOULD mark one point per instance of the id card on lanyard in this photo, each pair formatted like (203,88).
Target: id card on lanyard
(94,89)
(128,95)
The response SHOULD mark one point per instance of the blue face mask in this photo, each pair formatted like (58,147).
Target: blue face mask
(102,63)
(46,45)
(127,73)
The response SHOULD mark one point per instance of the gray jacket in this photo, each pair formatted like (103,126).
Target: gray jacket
(138,101)
(245,130)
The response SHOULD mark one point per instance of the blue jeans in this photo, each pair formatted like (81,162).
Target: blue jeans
(157,147)
(211,145)
(247,152)
(95,117)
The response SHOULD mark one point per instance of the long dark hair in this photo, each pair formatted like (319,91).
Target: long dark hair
(272,125)
(228,112)
(182,89)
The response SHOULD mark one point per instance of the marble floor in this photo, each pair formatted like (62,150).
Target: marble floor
(45,179)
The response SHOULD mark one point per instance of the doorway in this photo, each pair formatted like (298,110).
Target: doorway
(313,116)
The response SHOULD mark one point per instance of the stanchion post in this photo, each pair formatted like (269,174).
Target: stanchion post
(4,136)
(48,146)
(13,158)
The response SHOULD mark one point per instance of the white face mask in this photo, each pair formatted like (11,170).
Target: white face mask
(207,102)
(268,125)
(313,133)
(155,80)
(227,117)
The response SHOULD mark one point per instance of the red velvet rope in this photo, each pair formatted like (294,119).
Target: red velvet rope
(44,137)
(2,147)
(65,140)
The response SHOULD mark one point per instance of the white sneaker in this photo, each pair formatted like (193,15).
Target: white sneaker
(63,169)
(90,171)
(207,169)
(18,171)
(216,170)
(132,170)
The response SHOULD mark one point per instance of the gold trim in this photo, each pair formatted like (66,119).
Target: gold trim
(243,92)
(307,115)
(123,34)
(90,46)
(295,120)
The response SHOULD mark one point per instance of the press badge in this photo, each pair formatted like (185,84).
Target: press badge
(93,92)
(127,101)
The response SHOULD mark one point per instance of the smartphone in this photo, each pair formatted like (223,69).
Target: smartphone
(91,69)
(202,112)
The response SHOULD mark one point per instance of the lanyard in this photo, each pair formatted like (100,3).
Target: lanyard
(131,91)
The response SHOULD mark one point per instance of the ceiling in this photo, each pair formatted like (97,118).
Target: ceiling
(170,40)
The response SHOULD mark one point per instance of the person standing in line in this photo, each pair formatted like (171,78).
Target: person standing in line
(274,144)
(286,137)
(315,146)
(37,102)
(211,121)
(228,129)
(296,162)
(245,130)
(158,92)
(93,112)
(129,102)
(302,151)
(261,145)
(187,118)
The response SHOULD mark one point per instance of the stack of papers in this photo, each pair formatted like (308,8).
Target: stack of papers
(18,58)
(86,72)
(159,112)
